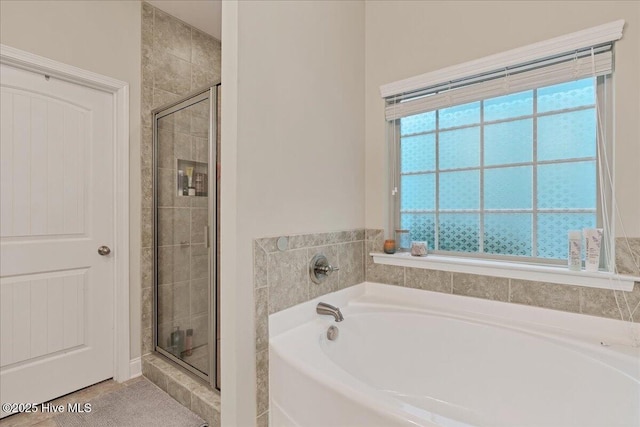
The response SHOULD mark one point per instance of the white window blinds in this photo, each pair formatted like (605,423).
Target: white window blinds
(570,57)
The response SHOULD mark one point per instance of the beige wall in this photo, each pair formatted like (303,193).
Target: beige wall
(99,36)
(404,39)
(297,162)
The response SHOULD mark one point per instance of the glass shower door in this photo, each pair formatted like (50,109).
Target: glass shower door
(185,190)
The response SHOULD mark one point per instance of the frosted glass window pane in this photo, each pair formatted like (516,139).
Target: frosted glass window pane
(459,190)
(508,188)
(554,158)
(508,234)
(459,148)
(567,185)
(509,106)
(509,142)
(553,232)
(567,135)
(460,115)
(418,192)
(422,227)
(566,95)
(459,232)
(418,153)
(418,123)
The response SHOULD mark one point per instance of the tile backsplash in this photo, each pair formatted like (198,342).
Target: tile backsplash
(577,299)
(281,280)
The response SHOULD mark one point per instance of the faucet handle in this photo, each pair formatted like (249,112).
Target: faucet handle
(320,269)
(327,269)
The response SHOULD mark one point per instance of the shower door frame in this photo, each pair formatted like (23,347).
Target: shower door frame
(211,93)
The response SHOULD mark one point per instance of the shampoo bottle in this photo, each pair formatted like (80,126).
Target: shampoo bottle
(593,239)
(191,189)
(574,257)
(177,341)
(180,182)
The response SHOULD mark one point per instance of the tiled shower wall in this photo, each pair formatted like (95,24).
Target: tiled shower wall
(281,280)
(176,59)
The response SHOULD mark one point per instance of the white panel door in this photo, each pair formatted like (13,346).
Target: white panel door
(57,208)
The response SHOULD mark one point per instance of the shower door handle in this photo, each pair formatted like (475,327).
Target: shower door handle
(206,236)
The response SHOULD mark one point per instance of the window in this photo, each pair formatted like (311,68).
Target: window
(502,156)
(503,176)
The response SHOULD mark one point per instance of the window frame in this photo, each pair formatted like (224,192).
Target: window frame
(604,162)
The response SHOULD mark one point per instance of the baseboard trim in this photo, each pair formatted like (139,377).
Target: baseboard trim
(135,367)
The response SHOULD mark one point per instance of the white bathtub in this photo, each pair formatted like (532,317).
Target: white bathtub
(414,358)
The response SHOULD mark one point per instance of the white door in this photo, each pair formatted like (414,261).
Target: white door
(57,209)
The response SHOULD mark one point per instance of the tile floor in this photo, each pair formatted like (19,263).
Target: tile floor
(84,395)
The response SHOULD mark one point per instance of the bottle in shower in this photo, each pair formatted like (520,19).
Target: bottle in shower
(177,341)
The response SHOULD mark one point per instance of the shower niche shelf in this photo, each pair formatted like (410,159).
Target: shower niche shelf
(199,180)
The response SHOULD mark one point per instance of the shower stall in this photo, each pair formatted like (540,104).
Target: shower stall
(186,223)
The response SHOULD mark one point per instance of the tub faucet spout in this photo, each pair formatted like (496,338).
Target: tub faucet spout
(324,308)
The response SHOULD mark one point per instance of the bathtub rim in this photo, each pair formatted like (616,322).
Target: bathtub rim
(575,326)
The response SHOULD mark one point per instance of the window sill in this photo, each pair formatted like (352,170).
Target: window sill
(511,270)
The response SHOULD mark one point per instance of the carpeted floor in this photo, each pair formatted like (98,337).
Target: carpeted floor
(136,402)
(140,405)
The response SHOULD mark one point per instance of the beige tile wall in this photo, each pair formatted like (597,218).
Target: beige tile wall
(577,299)
(176,60)
(281,280)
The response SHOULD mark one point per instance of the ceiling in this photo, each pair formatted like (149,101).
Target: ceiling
(205,15)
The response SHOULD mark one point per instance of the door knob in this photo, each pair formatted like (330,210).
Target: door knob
(104,250)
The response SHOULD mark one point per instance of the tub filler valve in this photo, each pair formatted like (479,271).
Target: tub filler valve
(320,269)
(324,308)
